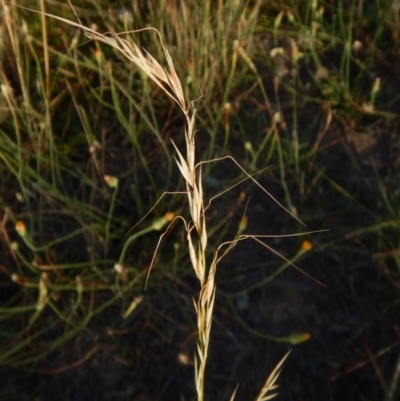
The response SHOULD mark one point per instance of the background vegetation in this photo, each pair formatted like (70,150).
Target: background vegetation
(309,89)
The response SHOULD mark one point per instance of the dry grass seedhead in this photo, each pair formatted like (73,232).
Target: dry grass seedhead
(168,81)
